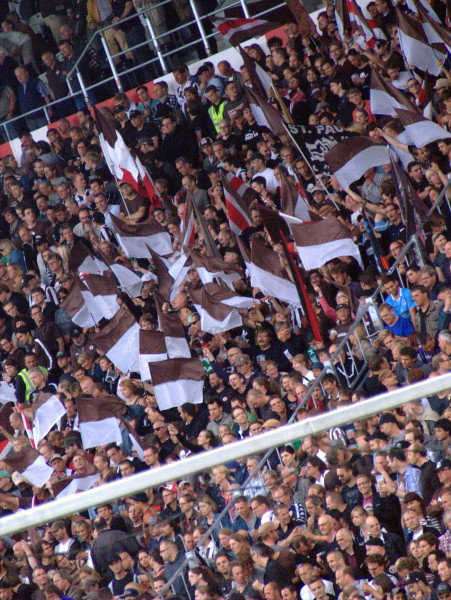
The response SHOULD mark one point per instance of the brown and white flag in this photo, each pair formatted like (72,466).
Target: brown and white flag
(237,31)
(100,420)
(152,348)
(219,308)
(421,131)
(74,485)
(82,261)
(165,281)
(416,47)
(432,27)
(265,114)
(134,239)
(101,294)
(177,381)
(292,203)
(46,410)
(238,197)
(303,19)
(74,303)
(270,276)
(210,268)
(172,328)
(119,340)
(31,465)
(385,98)
(349,159)
(319,242)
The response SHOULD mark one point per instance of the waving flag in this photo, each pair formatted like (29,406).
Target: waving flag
(415,45)
(119,340)
(31,465)
(420,130)
(385,98)
(267,273)
(120,160)
(349,160)
(237,31)
(238,197)
(47,409)
(319,242)
(134,239)
(177,381)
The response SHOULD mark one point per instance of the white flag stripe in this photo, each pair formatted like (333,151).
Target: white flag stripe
(94,308)
(79,484)
(99,433)
(176,393)
(426,132)
(92,265)
(207,276)
(46,416)
(84,318)
(375,156)
(383,104)
(108,305)
(239,302)
(129,280)
(125,352)
(271,284)
(38,473)
(419,54)
(7,393)
(135,246)
(145,359)
(177,347)
(213,326)
(313,257)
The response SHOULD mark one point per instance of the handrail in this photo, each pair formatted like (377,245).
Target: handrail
(62,507)
(166,53)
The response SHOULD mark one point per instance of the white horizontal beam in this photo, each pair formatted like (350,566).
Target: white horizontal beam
(104,494)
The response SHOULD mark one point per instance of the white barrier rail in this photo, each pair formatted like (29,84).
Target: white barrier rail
(63,507)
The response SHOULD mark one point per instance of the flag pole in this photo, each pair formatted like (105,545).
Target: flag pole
(301,289)
(123,199)
(283,108)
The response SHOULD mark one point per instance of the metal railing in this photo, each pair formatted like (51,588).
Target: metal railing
(162,54)
(178,470)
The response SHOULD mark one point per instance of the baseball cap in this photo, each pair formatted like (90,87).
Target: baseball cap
(5,474)
(88,582)
(321,106)
(317,365)
(169,488)
(387,418)
(316,188)
(271,423)
(443,588)
(144,139)
(39,239)
(340,306)
(266,528)
(55,456)
(443,464)
(113,558)
(441,83)
(206,141)
(135,113)
(243,359)
(61,353)
(139,497)
(117,109)
(415,577)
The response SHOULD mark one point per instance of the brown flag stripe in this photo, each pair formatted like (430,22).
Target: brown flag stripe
(380,84)
(151,342)
(175,369)
(97,409)
(320,232)
(145,229)
(267,260)
(113,331)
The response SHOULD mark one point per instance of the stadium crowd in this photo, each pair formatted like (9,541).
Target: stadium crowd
(361,512)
